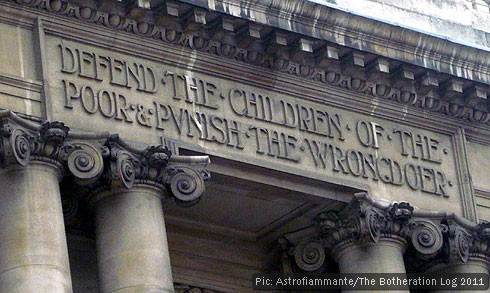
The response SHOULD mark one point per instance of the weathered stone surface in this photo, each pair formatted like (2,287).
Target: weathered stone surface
(132,249)
(328,21)
(434,17)
(19,74)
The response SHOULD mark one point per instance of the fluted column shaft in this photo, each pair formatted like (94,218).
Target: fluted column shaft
(132,249)
(33,249)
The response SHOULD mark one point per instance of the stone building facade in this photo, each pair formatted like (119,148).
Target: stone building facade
(186,145)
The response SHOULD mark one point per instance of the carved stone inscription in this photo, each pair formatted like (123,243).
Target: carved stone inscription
(144,100)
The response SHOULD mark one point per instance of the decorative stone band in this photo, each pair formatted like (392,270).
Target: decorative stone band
(430,237)
(313,59)
(101,161)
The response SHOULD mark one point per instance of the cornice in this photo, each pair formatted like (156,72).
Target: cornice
(329,22)
(303,57)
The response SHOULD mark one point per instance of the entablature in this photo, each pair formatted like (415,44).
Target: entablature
(295,104)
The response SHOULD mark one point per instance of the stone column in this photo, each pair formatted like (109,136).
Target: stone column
(365,238)
(474,265)
(370,236)
(385,256)
(33,249)
(132,249)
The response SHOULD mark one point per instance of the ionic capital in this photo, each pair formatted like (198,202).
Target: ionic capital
(458,240)
(115,165)
(432,239)
(364,221)
(480,246)
(101,162)
(462,242)
(22,142)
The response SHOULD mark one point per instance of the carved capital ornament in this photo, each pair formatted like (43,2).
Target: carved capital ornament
(431,238)
(22,142)
(363,222)
(102,162)
(114,165)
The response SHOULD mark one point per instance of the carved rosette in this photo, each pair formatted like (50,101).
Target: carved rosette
(361,222)
(335,230)
(21,142)
(98,163)
(397,219)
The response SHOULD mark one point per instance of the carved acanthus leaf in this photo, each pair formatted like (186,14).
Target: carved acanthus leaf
(432,239)
(363,222)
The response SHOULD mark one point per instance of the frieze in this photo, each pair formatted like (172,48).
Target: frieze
(451,96)
(145,100)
